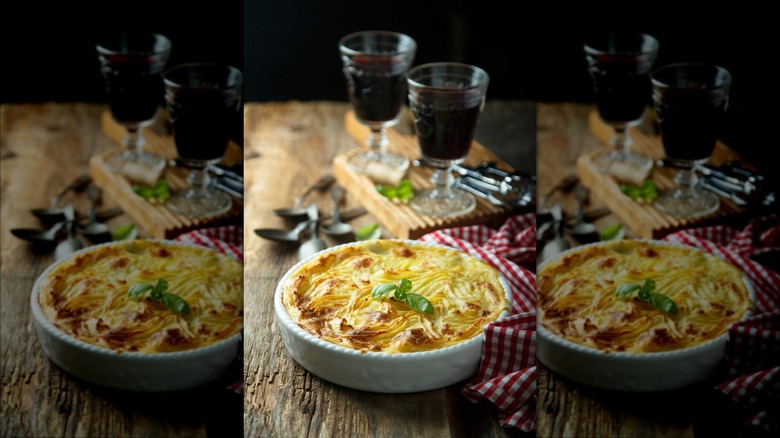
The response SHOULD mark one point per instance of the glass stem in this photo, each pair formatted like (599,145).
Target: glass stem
(443,181)
(377,140)
(621,141)
(199,180)
(686,180)
(134,141)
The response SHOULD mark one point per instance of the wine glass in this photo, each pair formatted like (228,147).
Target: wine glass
(619,65)
(446,99)
(375,65)
(203,101)
(691,101)
(132,65)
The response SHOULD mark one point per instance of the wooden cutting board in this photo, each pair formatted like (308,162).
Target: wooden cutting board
(643,219)
(156,220)
(400,219)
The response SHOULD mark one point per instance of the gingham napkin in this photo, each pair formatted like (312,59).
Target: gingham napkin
(228,240)
(752,377)
(507,371)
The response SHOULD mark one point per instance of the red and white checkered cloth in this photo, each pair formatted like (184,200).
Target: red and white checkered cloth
(507,372)
(228,240)
(752,379)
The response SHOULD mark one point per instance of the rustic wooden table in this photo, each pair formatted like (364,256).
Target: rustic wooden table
(568,409)
(43,147)
(287,146)
(293,144)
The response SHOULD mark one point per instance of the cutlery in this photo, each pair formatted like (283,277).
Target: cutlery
(580,229)
(54,213)
(39,237)
(95,231)
(336,227)
(71,244)
(293,235)
(297,211)
(314,244)
(558,243)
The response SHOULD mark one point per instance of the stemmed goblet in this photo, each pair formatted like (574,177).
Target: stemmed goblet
(619,65)
(375,64)
(691,101)
(203,100)
(132,66)
(446,100)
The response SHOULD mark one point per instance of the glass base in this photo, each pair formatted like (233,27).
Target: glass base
(368,162)
(690,204)
(191,204)
(622,163)
(431,203)
(130,163)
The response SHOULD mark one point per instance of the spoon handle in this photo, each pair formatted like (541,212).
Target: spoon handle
(323,182)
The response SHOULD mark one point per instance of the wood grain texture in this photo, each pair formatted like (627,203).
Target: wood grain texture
(403,221)
(292,144)
(44,147)
(155,219)
(646,221)
(566,408)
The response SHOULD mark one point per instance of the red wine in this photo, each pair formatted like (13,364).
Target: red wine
(689,123)
(202,121)
(377,87)
(134,86)
(622,87)
(445,125)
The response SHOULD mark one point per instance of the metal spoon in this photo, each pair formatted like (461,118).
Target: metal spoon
(294,235)
(581,230)
(95,231)
(314,244)
(54,213)
(39,237)
(71,244)
(297,210)
(290,236)
(336,227)
(566,184)
(558,243)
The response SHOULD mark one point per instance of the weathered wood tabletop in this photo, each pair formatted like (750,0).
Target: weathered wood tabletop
(293,144)
(44,147)
(568,409)
(287,146)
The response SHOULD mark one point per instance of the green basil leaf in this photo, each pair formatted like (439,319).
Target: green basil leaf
(400,295)
(610,232)
(662,302)
(649,285)
(175,303)
(161,191)
(388,192)
(122,232)
(137,290)
(161,285)
(156,294)
(368,232)
(143,191)
(630,191)
(626,289)
(404,191)
(648,191)
(381,290)
(405,285)
(419,303)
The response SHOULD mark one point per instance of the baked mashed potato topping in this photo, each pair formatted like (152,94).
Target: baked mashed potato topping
(576,296)
(87,297)
(330,296)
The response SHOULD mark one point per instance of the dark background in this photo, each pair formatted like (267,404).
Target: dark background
(288,49)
